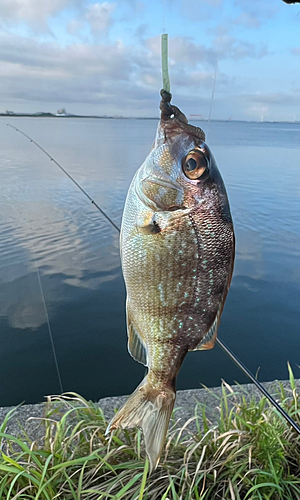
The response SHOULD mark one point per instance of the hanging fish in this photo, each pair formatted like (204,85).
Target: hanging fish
(177,251)
(197,239)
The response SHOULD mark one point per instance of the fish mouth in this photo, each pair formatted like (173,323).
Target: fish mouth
(163,182)
(153,199)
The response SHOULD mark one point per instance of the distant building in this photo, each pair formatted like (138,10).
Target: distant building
(9,112)
(196,117)
(61,112)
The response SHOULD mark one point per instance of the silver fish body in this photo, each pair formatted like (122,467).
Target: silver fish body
(177,250)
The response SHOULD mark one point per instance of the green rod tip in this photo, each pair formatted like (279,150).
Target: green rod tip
(164,61)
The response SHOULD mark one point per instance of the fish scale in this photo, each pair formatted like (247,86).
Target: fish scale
(147,282)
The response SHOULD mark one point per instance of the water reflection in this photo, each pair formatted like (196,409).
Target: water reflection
(45,221)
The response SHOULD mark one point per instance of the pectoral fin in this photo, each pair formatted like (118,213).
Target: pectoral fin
(152,228)
(136,346)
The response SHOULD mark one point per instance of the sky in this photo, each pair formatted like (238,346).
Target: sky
(103,58)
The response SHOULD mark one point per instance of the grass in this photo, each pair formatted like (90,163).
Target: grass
(250,453)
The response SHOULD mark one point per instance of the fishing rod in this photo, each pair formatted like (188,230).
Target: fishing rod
(65,172)
(259,386)
(221,344)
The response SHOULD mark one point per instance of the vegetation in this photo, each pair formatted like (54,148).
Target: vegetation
(250,453)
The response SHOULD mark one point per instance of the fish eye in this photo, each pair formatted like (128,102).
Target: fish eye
(194,165)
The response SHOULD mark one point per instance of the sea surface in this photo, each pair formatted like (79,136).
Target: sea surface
(58,251)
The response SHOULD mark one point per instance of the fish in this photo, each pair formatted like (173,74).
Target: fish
(177,250)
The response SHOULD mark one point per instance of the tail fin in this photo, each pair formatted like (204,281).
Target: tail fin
(151,410)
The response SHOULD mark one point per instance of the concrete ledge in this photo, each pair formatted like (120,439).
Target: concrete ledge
(28,417)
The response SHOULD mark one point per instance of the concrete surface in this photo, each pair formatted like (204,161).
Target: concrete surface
(28,417)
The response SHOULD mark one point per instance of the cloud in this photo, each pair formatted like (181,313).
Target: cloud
(93,79)
(255,12)
(250,13)
(75,26)
(141,32)
(22,56)
(108,78)
(24,310)
(277,98)
(183,51)
(136,5)
(230,47)
(99,17)
(267,106)
(247,19)
(196,11)
(188,54)
(104,76)
(33,12)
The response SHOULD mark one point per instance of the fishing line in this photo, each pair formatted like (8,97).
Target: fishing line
(47,319)
(65,172)
(212,98)
(221,344)
(213,93)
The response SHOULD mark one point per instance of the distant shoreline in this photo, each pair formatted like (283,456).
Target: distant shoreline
(50,115)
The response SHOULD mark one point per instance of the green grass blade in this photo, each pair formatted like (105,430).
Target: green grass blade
(128,485)
(263,485)
(144,479)
(291,377)
(11,461)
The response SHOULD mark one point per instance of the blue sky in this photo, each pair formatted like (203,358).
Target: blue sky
(104,57)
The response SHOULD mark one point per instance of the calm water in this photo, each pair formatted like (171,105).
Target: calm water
(46,222)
